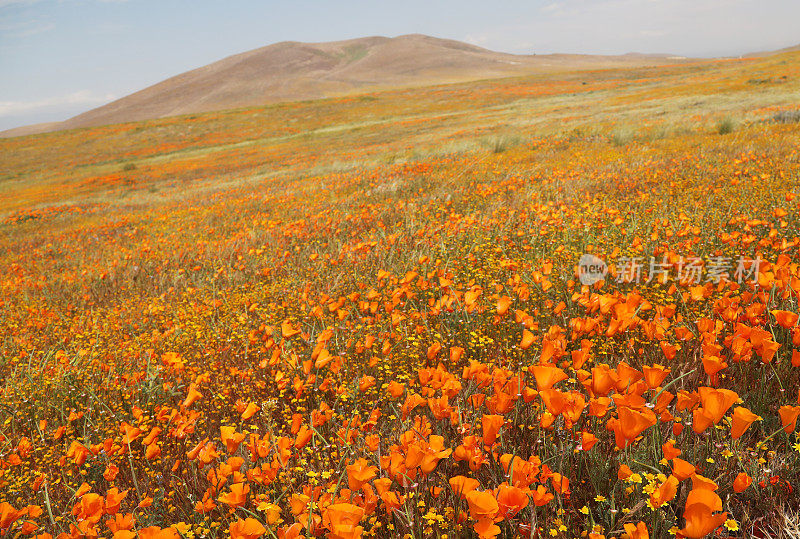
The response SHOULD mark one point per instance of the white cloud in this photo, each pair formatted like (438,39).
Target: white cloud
(83,98)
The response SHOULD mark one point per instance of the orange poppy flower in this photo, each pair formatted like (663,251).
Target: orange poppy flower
(638,531)
(511,500)
(670,451)
(433,453)
(527,339)
(287,330)
(342,520)
(486,528)
(455,354)
(701,504)
(785,319)
(396,389)
(192,396)
(541,496)
(482,504)
(291,532)
(789,416)
(741,421)
(587,440)
(627,376)
(303,437)
(741,482)
(249,528)
(554,400)
(237,496)
(603,379)
(8,515)
(631,424)
(155,532)
(665,492)
(121,522)
(598,406)
(249,411)
(701,482)
(503,304)
(701,420)
(113,500)
(91,507)
(682,469)
(360,472)
(491,425)
(547,376)
(654,375)
(717,401)
(560,483)
(462,485)
(231,438)
(712,365)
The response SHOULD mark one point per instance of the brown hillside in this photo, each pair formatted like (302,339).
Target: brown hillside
(295,71)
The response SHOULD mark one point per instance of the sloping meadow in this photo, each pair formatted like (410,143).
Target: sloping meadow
(561,306)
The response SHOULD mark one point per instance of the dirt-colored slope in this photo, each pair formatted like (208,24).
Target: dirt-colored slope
(293,71)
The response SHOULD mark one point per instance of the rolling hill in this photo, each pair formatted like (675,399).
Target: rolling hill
(292,70)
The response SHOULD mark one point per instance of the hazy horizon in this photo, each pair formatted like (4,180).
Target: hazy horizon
(63,57)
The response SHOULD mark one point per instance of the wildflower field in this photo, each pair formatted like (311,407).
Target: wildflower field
(363,317)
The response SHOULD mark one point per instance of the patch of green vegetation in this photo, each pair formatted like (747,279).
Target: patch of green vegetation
(725,126)
(353,53)
(501,143)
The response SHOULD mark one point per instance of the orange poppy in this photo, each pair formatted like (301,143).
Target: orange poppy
(587,440)
(248,528)
(511,500)
(503,304)
(462,485)
(547,376)
(527,339)
(699,513)
(741,421)
(665,492)
(342,520)
(638,531)
(741,482)
(785,319)
(682,469)
(192,396)
(482,504)
(237,496)
(491,425)
(249,411)
(654,375)
(789,416)
(359,473)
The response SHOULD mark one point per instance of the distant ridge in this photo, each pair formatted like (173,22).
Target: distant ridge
(291,70)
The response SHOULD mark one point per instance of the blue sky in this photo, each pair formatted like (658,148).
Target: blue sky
(61,57)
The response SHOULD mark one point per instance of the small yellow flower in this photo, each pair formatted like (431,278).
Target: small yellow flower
(599,498)
(732,525)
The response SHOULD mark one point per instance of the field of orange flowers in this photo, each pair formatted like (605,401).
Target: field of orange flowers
(364,316)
